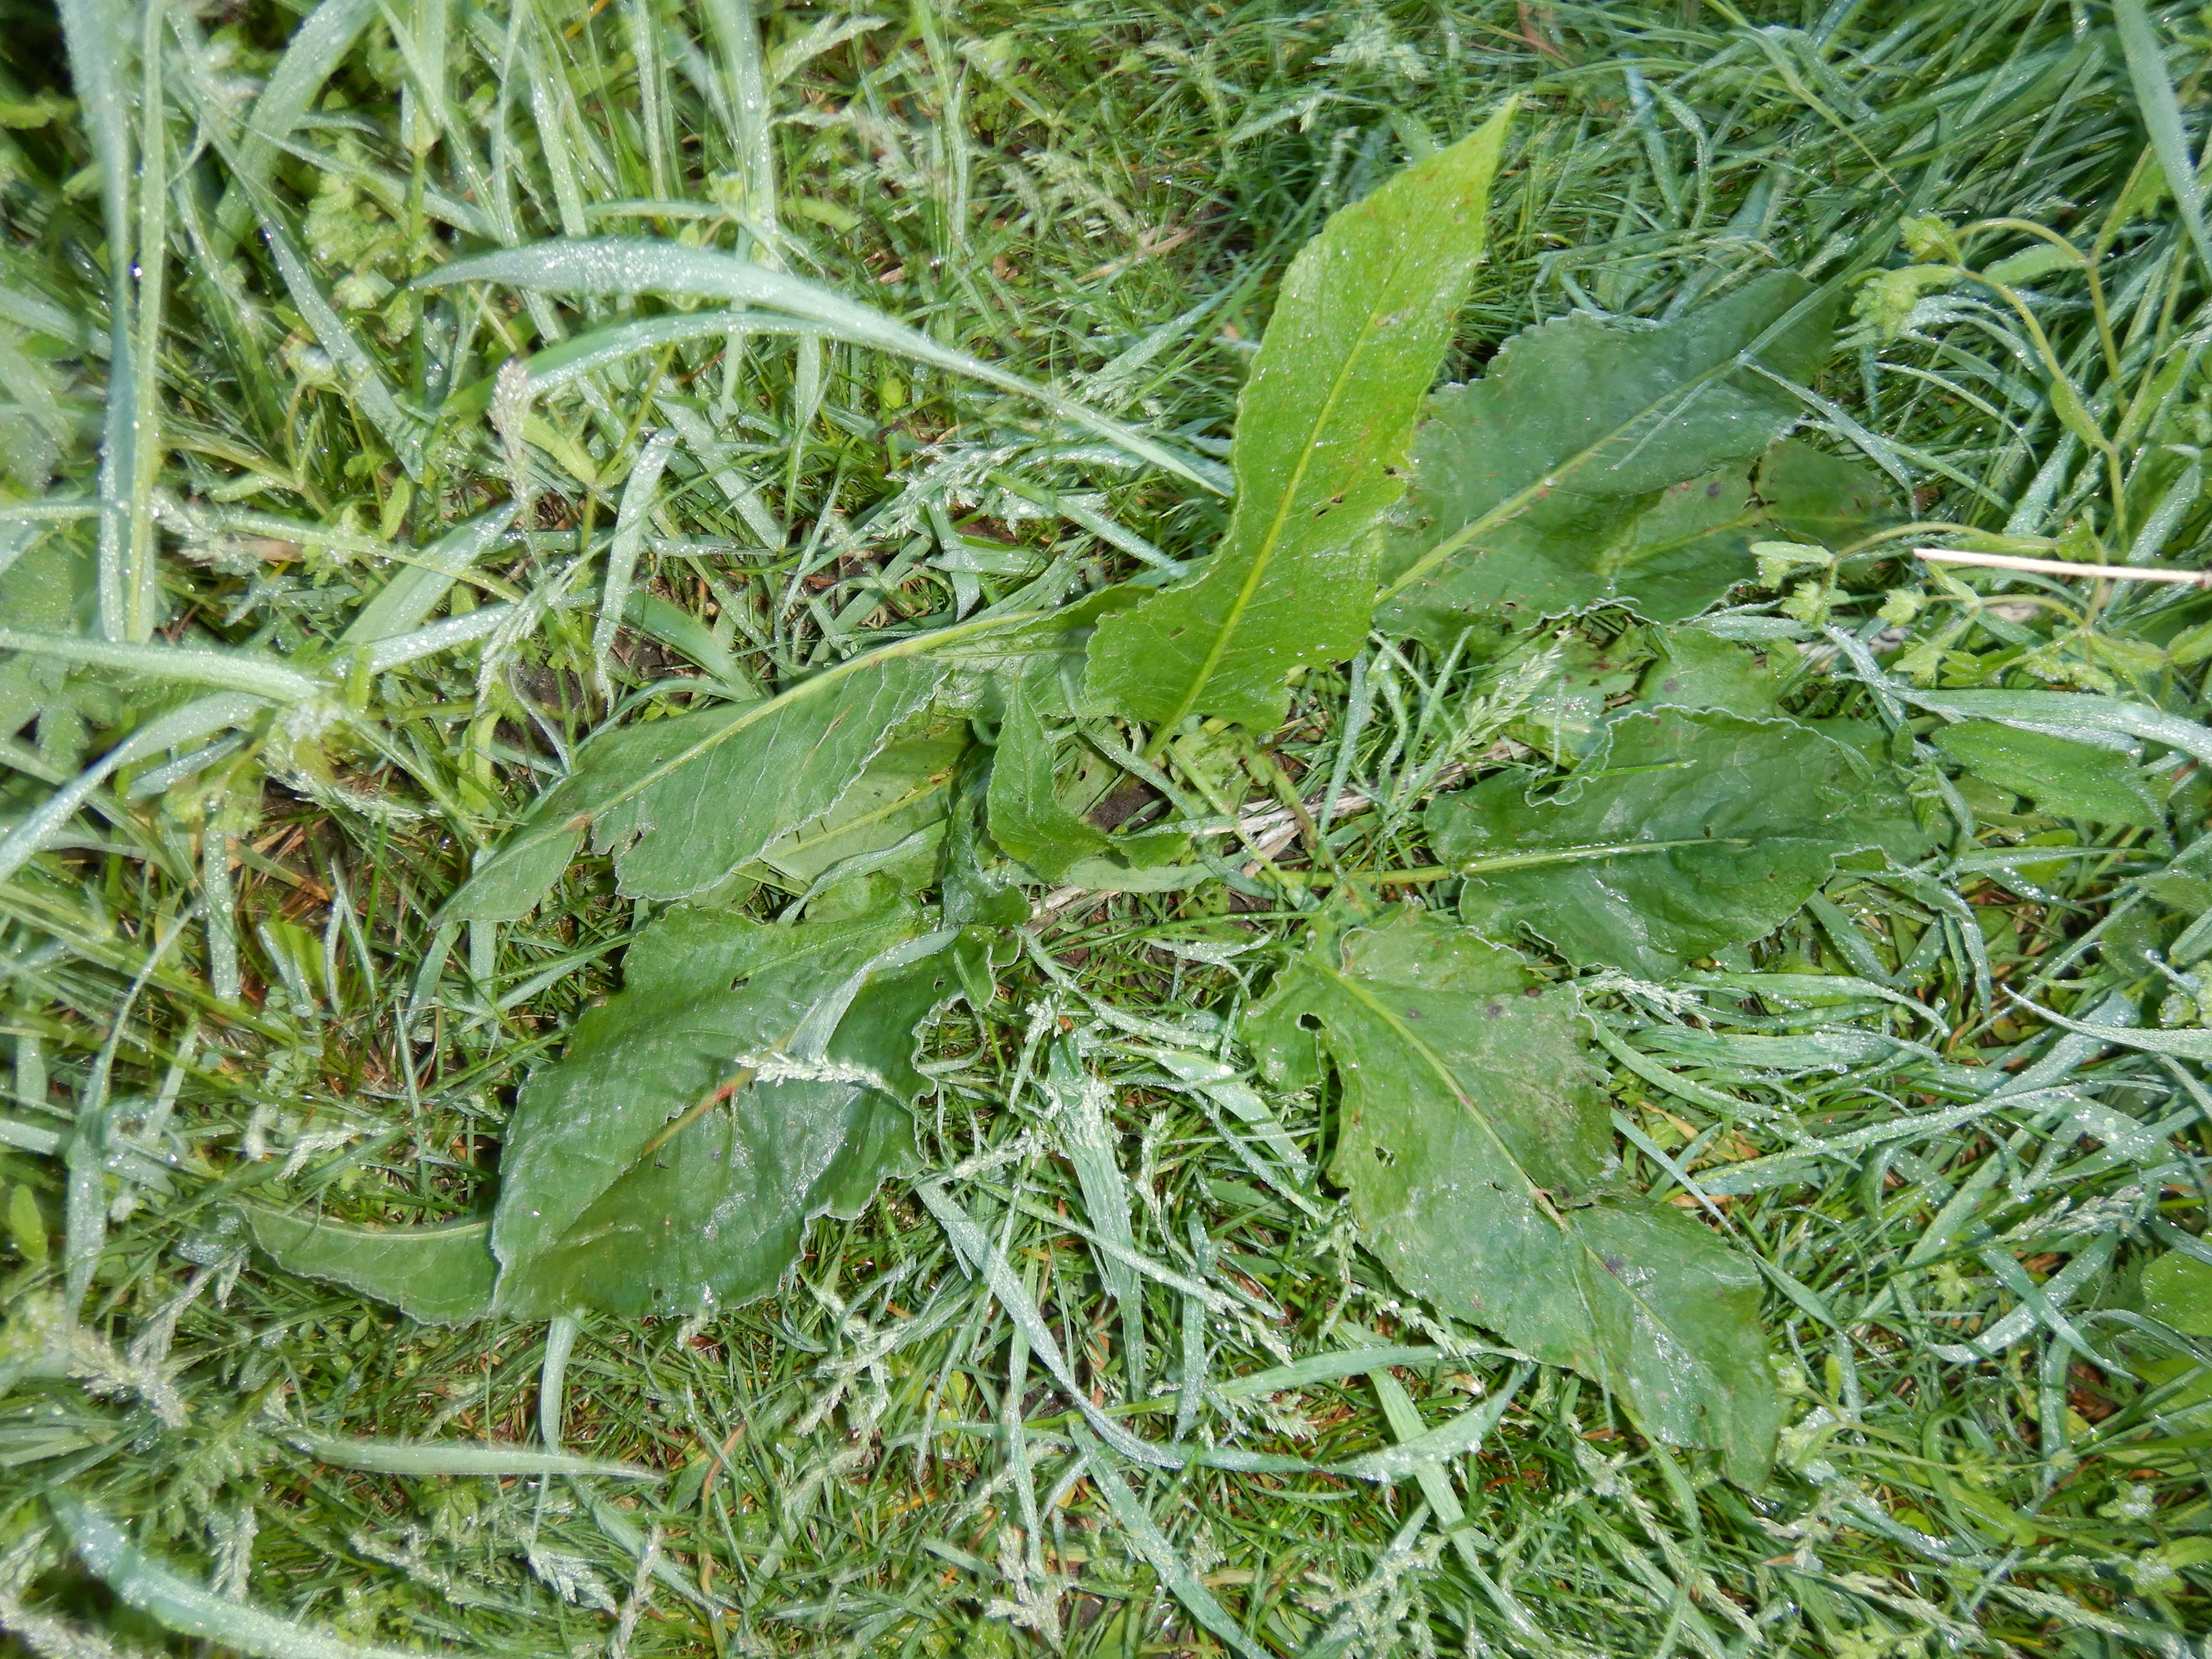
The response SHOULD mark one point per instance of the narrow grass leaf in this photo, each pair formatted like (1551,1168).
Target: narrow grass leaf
(637,503)
(454,632)
(230,671)
(989,1263)
(92,29)
(177,1604)
(612,266)
(421,585)
(312,55)
(1329,1368)
(1089,1145)
(426,1459)
(195,719)
(2086,717)
(1150,1542)
(1462,1435)
(2161,113)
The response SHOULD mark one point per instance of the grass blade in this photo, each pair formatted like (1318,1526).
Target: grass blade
(638,493)
(428,1459)
(177,1604)
(286,97)
(233,670)
(615,267)
(1150,1542)
(195,719)
(418,589)
(2161,113)
(91,29)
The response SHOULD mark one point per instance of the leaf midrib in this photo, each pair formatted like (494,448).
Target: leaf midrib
(918,645)
(1264,556)
(1552,477)
(1538,1196)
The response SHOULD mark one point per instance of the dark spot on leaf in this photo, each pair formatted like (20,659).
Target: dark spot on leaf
(1412,1013)
(1713,491)
(1493,1010)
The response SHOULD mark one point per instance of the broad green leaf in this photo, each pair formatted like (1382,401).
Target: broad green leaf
(1034,825)
(614,266)
(38,592)
(1566,715)
(683,803)
(1686,547)
(1026,817)
(1477,1153)
(1813,496)
(1699,670)
(2064,778)
(749,1077)
(1671,554)
(1323,431)
(1535,482)
(1691,832)
(891,819)
(2177,1290)
(440,1275)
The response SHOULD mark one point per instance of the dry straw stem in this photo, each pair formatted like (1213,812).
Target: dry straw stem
(2120,573)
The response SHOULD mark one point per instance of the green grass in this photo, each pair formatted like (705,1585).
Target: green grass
(872,1461)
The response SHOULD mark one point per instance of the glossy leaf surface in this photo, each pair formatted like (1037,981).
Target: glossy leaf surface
(1324,428)
(682,803)
(1698,670)
(1033,825)
(1595,459)
(1691,832)
(749,1077)
(1815,496)
(1026,817)
(1477,1154)
(2066,778)
(893,818)
(440,1275)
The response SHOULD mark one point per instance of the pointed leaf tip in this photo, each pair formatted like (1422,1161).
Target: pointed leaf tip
(1324,428)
